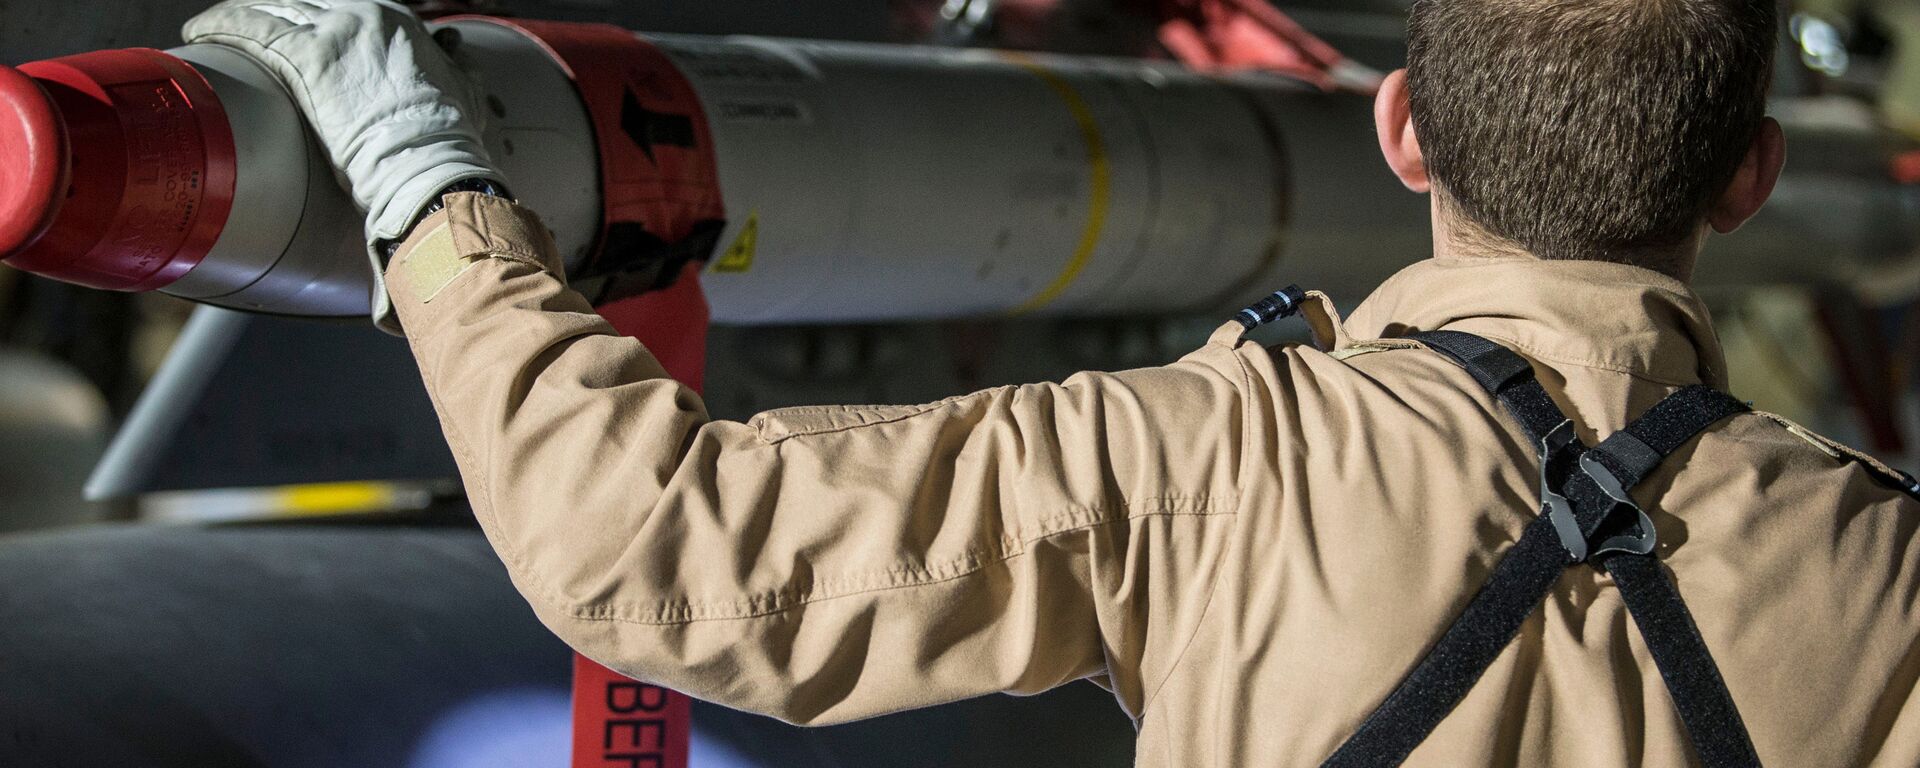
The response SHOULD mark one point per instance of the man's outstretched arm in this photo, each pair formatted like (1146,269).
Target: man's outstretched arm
(817,564)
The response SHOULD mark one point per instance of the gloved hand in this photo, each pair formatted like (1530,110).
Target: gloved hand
(394,113)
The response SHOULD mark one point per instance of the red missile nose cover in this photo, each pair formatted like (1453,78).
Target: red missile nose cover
(129,167)
(33,160)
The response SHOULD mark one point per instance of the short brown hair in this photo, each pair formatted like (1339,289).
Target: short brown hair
(1588,129)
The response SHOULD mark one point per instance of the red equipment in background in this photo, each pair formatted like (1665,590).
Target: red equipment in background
(1206,35)
(1224,35)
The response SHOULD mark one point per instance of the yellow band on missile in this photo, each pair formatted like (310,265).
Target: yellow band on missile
(1099,171)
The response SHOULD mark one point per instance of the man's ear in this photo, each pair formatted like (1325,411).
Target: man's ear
(1393,118)
(1753,184)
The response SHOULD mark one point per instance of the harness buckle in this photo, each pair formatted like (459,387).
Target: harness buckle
(1617,533)
(1639,537)
(1554,451)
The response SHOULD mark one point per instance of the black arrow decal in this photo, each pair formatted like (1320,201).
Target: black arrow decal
(648,128)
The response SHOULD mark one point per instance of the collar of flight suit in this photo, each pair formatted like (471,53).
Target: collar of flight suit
(1582,313)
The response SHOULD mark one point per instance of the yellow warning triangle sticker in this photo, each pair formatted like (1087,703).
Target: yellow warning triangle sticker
(739,256)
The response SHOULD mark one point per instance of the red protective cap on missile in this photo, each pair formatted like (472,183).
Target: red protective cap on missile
(116,168)
(33,160)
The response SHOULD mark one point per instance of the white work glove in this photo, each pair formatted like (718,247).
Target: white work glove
(393,112)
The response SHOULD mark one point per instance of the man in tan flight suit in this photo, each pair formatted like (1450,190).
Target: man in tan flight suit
(1250,547)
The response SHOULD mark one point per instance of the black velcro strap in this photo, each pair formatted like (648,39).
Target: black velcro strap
(1633,452)
(1693,679)
(1670,423)
(1505,375)
(1524,576)
(1529,404)
(1699,692)
(1494,366)
(1628,457)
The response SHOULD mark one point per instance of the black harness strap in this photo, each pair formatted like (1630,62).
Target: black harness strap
(1693,680)
(1584,506)
(1453,665)
(1507,376)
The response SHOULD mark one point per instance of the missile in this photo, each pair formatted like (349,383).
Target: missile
(808,181)
(805,181)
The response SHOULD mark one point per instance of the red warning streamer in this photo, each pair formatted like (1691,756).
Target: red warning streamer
(619,722)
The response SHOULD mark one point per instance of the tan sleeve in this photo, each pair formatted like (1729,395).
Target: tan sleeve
(815,564)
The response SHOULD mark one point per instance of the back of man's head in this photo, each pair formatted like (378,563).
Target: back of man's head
(1588,129)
